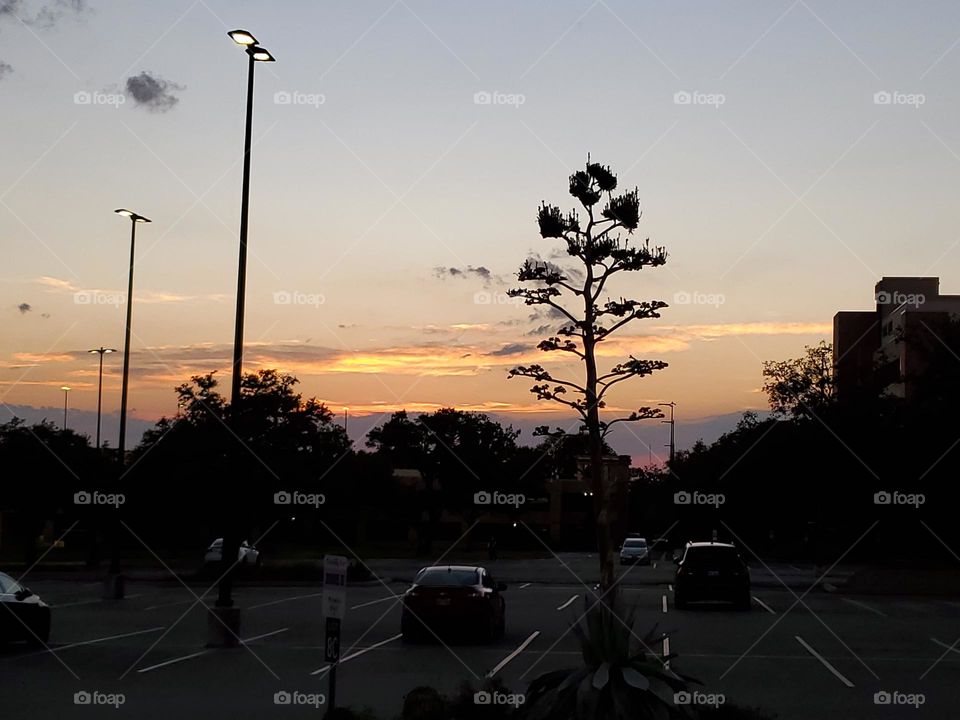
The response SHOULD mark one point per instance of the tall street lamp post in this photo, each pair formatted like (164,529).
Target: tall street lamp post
(101,351)
(227,618)
(135,220)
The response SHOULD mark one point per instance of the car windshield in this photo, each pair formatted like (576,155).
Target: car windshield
(714,557)
(7,584)
(635,543)
(447,578)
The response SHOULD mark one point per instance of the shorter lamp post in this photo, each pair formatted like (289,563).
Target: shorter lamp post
(101,351)
(66,392)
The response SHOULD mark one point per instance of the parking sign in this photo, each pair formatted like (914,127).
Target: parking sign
(334,586)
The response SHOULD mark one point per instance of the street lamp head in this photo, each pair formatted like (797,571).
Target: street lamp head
(260,54)
(65,388)
(242,37)
(102,350)
(132,215)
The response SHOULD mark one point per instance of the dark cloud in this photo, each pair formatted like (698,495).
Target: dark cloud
(44,14)
(153,92)
(470,271)
(510,349)
(24,308)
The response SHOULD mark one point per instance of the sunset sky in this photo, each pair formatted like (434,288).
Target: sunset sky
(787,155)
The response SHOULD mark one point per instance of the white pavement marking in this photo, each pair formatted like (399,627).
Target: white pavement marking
(952,648)
(56,649)
(823,660)
(666,650)
(796,568)
(92,601)
(283,600)
(512,655)
(663,602)
(358,653)
(525,585)
(171,604)
(568,603)
(200,653)
(670,588)
(766,607)
(374,602)
(864,606)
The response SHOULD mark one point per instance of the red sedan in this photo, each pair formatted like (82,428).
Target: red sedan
(459,599)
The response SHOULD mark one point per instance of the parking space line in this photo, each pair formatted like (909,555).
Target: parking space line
(92,601)
(666,650)
(58,648)
(823,660)
(200,653)
(663,602)
(358,653)
(951,648)
(374,602)
(864,606)
(502,664)
(670,588)
(525,585)
(283,600)
(762,604)
(568,603)
(175,660)
(170,604)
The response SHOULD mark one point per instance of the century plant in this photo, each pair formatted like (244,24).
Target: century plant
(622,677)
(579,296)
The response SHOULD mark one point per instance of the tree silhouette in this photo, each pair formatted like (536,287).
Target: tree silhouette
(579,296)
(801,387)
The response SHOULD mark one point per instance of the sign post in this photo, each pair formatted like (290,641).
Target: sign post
(334,610)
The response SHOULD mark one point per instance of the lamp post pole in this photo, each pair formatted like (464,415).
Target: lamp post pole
(66,392)
(671,423)
(100,351)
(231,540)
(135,219)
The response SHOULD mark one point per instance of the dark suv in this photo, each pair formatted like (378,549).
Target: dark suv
(711,571)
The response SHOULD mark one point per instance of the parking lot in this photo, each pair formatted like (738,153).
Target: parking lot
(799,655)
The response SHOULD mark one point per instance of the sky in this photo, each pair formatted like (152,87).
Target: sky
(787,155)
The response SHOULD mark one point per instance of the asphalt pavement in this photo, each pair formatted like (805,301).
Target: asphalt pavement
(800,653)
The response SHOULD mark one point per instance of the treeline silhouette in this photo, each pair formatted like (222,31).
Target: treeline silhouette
(864,477)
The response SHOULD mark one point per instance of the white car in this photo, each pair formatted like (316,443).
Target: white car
(635,550)
(247,555)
